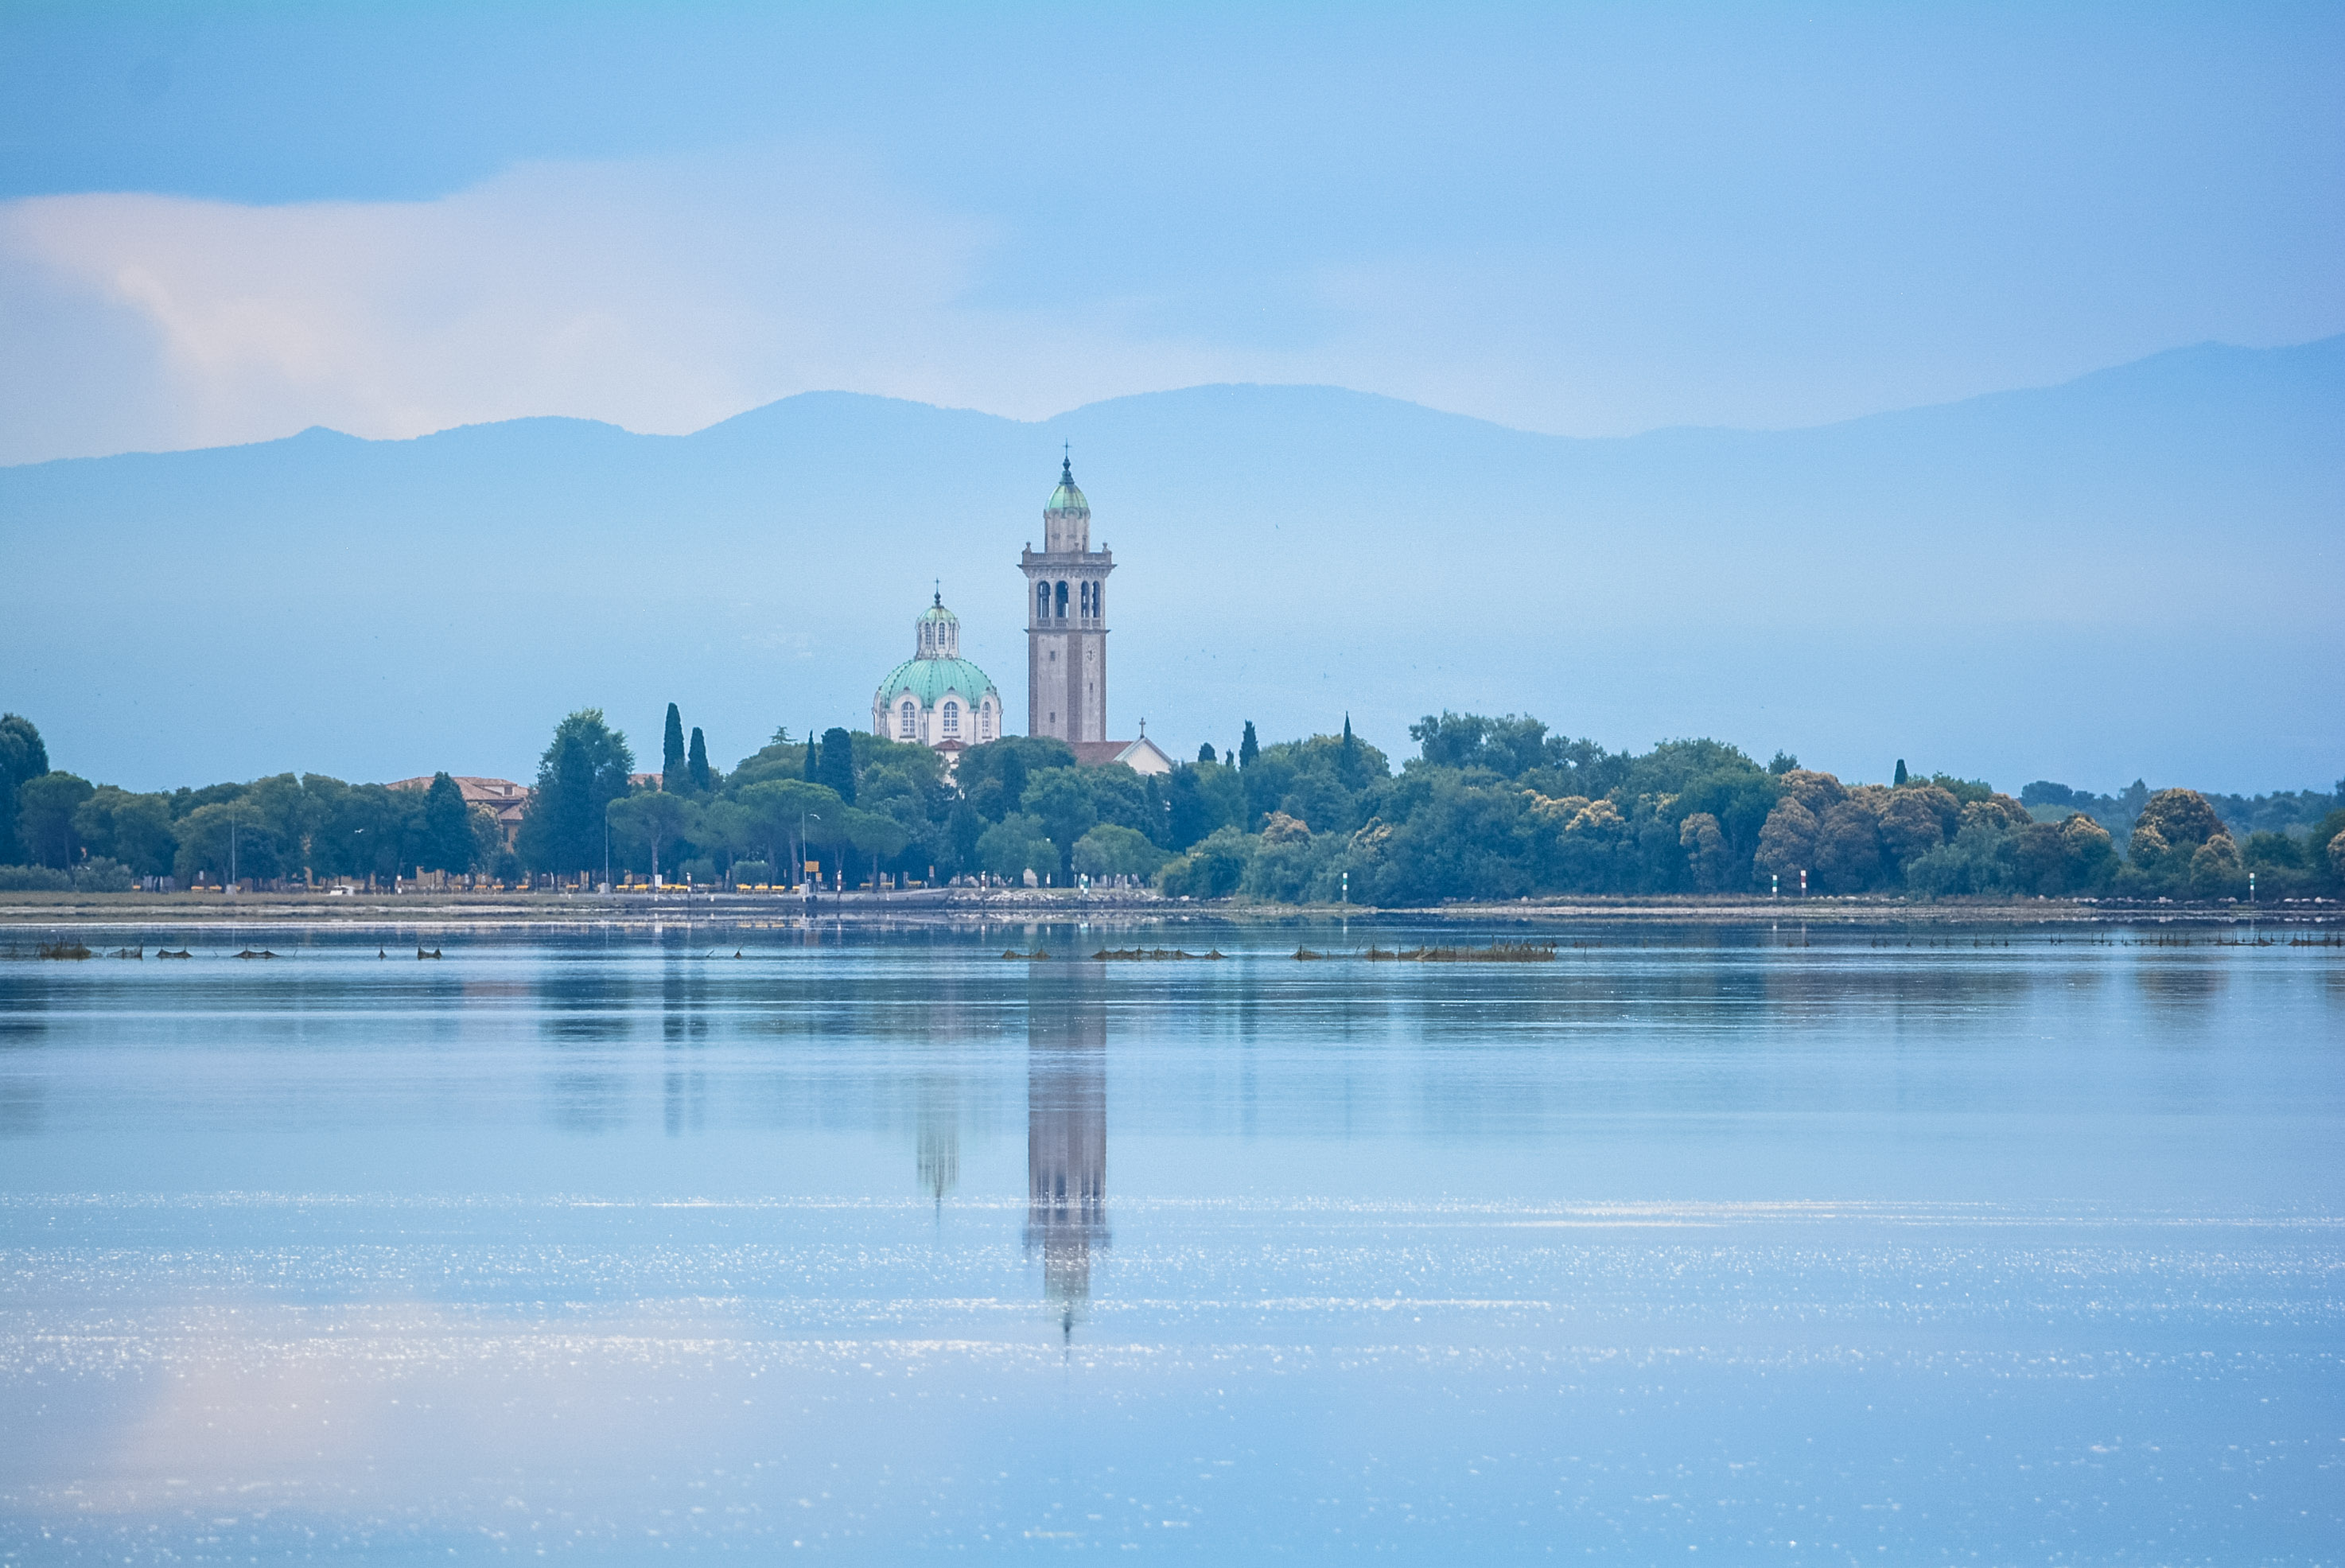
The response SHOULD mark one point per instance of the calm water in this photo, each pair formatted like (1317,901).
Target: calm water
(1725,1246)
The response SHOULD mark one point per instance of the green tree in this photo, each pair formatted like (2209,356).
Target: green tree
(1248,746)
(2058,859)
(447,828)
(1061,800)
(695,766)
(874,836)
(582,770)
(488,840)
(1013,777)
(835,772)
(776,810)
(21,756)
(671,765)
(813,755)
(2214,868)
(227,839)
(1206,752)
(1787,844)
(648,818)
(2171,826)
(363,830)
(1917,819)
(778,758)
(135,829)
(963,828)
(1110,850)
(1016,845)
(1213,868)
(1899,782)
(1848,846)
(1704,844)
(44,817)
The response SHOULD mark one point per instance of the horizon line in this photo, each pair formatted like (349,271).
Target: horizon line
(2204,345)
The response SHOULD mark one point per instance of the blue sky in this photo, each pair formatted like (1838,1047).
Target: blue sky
(220,224)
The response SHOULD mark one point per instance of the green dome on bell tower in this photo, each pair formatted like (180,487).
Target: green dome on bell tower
(1067,498)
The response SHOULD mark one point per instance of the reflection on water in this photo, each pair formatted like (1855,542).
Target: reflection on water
(1776,1245)
(936,1133)
(1066,1138)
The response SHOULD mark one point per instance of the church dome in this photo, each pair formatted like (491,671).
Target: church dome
(929,679)
(937,696)
(1067,498)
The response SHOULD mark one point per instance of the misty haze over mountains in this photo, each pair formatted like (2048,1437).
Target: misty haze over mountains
(2135,573)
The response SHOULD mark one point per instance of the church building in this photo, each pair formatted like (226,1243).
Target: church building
(942,700)
(1066,636)
(936,697)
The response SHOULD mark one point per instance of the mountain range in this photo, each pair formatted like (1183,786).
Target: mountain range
(2134,574)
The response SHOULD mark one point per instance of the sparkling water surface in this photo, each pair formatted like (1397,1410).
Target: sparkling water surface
(1746,1245)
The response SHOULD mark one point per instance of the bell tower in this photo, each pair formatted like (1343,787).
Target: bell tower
(1066,620)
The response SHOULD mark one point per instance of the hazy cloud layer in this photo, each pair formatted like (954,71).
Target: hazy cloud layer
(661,295)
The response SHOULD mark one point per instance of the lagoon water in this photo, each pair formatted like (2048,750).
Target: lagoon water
(1693,1245)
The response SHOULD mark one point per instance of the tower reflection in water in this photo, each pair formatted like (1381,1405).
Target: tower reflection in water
(1066,1140)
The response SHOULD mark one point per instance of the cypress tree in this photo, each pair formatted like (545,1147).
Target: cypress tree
(1206,752)
(672,751)
(447,827)
(695,767)
(809,755)
(838,769)
(1248,747)
(1013,779)
(1900,773)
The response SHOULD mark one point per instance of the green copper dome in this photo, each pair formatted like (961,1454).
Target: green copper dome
(929,679)
(1066,497)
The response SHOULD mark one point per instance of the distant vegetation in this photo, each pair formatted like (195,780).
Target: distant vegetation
(1488,808)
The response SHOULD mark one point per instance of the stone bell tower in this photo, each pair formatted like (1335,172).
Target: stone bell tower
(1066,620)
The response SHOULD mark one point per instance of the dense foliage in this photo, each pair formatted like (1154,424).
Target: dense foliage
(1490,808)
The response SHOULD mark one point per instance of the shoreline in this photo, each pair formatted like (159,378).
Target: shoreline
(1033,906)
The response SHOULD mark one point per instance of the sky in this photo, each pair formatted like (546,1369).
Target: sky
(223,224)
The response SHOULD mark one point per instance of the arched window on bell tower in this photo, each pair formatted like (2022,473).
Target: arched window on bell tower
(1062,599)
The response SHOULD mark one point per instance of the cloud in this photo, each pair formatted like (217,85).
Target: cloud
(661,295)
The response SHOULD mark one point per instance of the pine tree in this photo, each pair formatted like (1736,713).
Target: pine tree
(1248,746)
(672,751)
(1900,773)
(695,767)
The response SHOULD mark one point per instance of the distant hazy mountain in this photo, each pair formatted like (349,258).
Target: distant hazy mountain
(2137,572)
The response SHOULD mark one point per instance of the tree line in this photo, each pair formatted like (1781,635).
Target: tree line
(1489,808)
